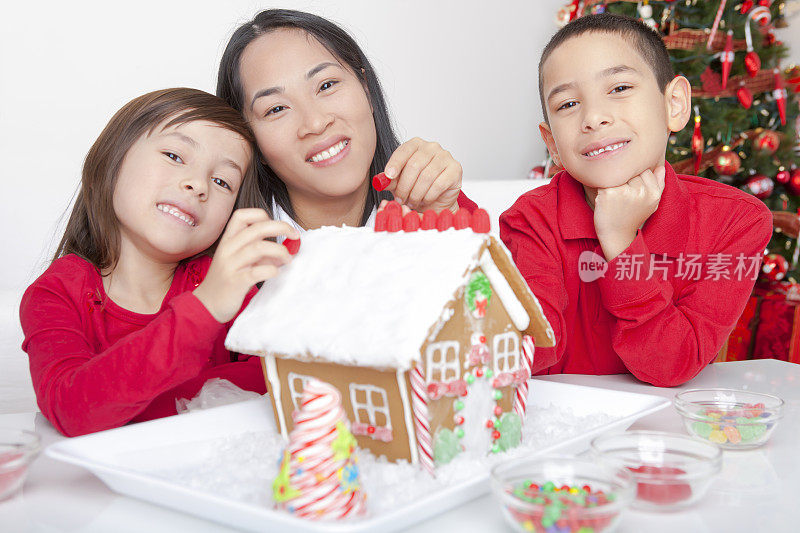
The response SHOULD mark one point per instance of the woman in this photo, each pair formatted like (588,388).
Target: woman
(321,123)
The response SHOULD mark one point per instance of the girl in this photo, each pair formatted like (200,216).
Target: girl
(132,314)
(318,113)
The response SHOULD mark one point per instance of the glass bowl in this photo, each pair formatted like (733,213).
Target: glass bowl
(670,470)
(17,449)
(565,493)
(731,419)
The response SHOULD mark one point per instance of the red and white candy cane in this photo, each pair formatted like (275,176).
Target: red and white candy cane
(422,423)
(521,392)
(716,24)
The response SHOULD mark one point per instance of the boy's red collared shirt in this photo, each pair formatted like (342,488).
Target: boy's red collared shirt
(647,314)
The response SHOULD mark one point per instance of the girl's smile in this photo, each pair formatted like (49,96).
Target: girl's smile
(331,155)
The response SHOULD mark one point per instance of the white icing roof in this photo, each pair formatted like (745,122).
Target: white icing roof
(356,297)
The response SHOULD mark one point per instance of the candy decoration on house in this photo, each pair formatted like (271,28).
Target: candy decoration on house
(318,477)
(393,332)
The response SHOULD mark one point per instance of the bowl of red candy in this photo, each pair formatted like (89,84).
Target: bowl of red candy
(731,419)
(670,471)
(561,494)
(17,449)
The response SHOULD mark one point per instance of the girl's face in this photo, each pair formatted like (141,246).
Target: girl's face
(311,116)
(177,187)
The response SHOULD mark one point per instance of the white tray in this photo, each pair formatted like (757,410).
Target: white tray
(172,441)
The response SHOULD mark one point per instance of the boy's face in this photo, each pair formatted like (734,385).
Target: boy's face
(608,120)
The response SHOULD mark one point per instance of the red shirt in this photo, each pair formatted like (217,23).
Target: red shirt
(96,366)
(664,329)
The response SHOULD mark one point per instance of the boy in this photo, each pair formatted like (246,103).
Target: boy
(638,269)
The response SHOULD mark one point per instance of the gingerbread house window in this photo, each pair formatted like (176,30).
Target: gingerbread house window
(442,362)
(506,352)
(370,405)
(297,382)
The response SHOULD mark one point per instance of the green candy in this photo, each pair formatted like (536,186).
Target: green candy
(445,446)
(458,405)
(702,429)
(489,374)
(549,487)
(470,379)
(751,431)
(460,433)
(498,395)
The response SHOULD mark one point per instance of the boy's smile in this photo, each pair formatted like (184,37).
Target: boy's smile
(608,120)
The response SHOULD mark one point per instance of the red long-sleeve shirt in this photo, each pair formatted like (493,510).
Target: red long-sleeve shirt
(664,329)
(96,366)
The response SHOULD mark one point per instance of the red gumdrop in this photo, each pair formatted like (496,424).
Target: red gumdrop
(292,245)
(429,219)
(411,221)
(480,221)
(445,220)
(393,207)
(380,221)
(661,493)
(370,429)
(495,434)
(394,222)
(489,424)
(380,181)
(462,219)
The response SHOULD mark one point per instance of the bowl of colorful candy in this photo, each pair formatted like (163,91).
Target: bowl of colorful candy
(562,494)
(670,470)
(731,419)
(17,449)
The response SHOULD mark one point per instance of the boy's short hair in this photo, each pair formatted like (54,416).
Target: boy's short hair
(645,40)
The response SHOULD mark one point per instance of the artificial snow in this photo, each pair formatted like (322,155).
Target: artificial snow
(242,467)
(356,297)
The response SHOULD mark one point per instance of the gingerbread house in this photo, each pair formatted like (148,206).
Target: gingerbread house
(428,335)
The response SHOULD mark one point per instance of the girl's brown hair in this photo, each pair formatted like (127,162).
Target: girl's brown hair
(92,231)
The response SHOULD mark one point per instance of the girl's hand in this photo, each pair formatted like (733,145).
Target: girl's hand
(243,258)
(424,176)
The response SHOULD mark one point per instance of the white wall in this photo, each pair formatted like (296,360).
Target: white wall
(461,72)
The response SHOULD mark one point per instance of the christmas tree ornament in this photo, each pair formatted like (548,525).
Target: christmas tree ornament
(759,186)
(646,14)
(767,142)
(746,5)
(697,141)
(536,173)
(744,95)
(793,185)
(783,176)
(774,267)
(761,15)
(727,58)
(714,26)
(727,162)
(752,63)
(780,96)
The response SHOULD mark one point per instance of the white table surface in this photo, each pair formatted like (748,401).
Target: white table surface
(757,490)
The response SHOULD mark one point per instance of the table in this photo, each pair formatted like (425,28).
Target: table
(756,491)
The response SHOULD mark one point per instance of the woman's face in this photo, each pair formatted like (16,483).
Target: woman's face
(311,116)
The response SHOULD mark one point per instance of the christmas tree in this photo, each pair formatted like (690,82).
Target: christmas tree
(745,124)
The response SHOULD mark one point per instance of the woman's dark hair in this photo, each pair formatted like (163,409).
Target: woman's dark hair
(92,231)
(342,46)
(644,40)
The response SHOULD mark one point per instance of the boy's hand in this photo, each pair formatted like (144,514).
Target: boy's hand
(243,258)
(424,176)
(620,211)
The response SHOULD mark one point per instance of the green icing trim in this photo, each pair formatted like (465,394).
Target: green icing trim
(282,489)
(344,444)
(478,283)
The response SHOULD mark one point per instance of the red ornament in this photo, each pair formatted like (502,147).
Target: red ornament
(752,63)
(380,181)
(411,221)
(780,96)
(697,141)
(445,220)
(746,5)
(793,185)
(727,58)
(759,186)
(775,267)
(727,162)
(462,219)
(745,96)
(767,141)
(783,176)
(429,219)
(292,245)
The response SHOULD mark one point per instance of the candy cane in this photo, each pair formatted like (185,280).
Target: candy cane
(715,25)
(421,421)
(521,392)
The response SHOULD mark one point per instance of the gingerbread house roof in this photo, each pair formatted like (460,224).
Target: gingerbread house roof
(356,297)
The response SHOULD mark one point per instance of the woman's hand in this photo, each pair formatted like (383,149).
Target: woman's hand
(424,176)
(243,258)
